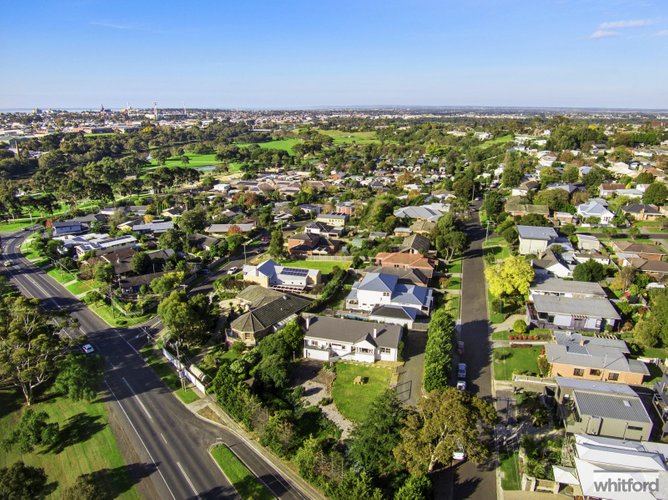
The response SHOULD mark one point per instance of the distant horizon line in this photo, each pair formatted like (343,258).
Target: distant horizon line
(347,107)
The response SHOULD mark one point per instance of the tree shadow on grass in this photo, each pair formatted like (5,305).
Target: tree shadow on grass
(10,402)
(119,480)
(78,429)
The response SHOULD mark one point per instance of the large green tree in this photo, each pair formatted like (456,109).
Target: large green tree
(373,440)
(79,376)
(21,482)
(511,277)
(32,430)
(30,346)
(276,246)
(443,422)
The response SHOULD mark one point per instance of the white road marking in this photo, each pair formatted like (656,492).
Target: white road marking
(163,438)
(140,439)
(178,464)
(138,400)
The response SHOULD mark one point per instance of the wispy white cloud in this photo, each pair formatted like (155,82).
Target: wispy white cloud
(603,34)
(625,23)
(114,26)
(661,33)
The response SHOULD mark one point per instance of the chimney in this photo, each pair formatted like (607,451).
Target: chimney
(308,322)
(375,333)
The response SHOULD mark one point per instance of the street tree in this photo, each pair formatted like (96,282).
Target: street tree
(79,376)
(511,277)
(445,421)
(441,338)
(29,345)
(448,237)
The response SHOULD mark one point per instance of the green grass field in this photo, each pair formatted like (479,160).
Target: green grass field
(498,140)
(325,267)
(196,160)
(86,444)
(520,359)
(455,266)
(510,467)
(10,227)
(494,317)
(452,305)
(283,144)
(246,484)
(343,137)
(61,276)
(81,287)
(164,370)
(353,400)
(115,318)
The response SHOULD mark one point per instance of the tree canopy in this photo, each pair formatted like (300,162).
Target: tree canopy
(513,276)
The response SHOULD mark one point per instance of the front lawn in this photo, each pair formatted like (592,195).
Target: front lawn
(353,400)
(454,284)
(81,287)
(167,373)
(324,266)
(113,317)
(452,305)
(455,266)
(61,276)
(494,317)
(509,360)
(510,467)
(246,484)
(86,444)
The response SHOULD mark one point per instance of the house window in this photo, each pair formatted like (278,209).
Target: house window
(613,376)
(595,373)
(578,372)
(386,294)
(362,350)
(634,428)
(385,350)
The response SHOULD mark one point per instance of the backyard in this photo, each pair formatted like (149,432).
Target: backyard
(246,484)
(509,360)
(510,468)
(85,444)
(324,266)
(352,399)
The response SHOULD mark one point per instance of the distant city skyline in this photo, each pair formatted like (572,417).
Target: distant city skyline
(297,54)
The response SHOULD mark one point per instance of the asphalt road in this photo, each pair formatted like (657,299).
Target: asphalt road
(169,445)
(468,480)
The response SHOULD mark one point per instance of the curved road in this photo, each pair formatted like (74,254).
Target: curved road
(165,445)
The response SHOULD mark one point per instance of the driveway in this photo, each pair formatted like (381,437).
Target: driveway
(409,385)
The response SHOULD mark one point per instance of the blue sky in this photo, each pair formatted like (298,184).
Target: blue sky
(299,53)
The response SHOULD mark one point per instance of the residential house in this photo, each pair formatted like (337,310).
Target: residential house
(588,242)
(516,209)
(416,244)
(311,244)
(431,212)
(550,263)
(333,219)
(564,288)
(269,311)
(332,339)
(563,218)
(154,227)
(660,400)
(394,315)
(630,249)
(377,289)
(130,285)
(614,462)
(400,260)
(66,228)
(566,313)
(224,229)
(534,239)
(98,243)
(642,212)
(324,229)
(269,274)
(602,409)
(422,226)
(525,188)
(404,275)
(606,190)
(594,209)
(593,358)
(202,241)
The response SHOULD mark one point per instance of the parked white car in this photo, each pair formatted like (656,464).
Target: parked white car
(87,348)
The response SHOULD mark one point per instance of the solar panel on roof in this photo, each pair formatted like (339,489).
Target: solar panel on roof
(292,271)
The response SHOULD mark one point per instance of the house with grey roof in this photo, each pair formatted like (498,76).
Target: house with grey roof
(593,208)
(571,313)
(430,212)
(641,211)
(377,289)
(534,240)
(155,227)
(593,358)
(269,311)
(416,243)
(565,288)
(405,275)
(288,279)
(602,409)
(333,339)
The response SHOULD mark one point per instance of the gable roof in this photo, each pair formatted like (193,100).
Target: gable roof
(415,276)
(590,307)
(632,247)
(378,282)
(416,242)
(353,331)
(537,233)
(269,313)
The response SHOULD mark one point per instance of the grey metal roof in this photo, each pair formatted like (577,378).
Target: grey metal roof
(352,331)
(378,282)
(556,285)
(269,313)
(589,307)
(620,407)
(415,276)
(595,386)
(537,233)
(397,312)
